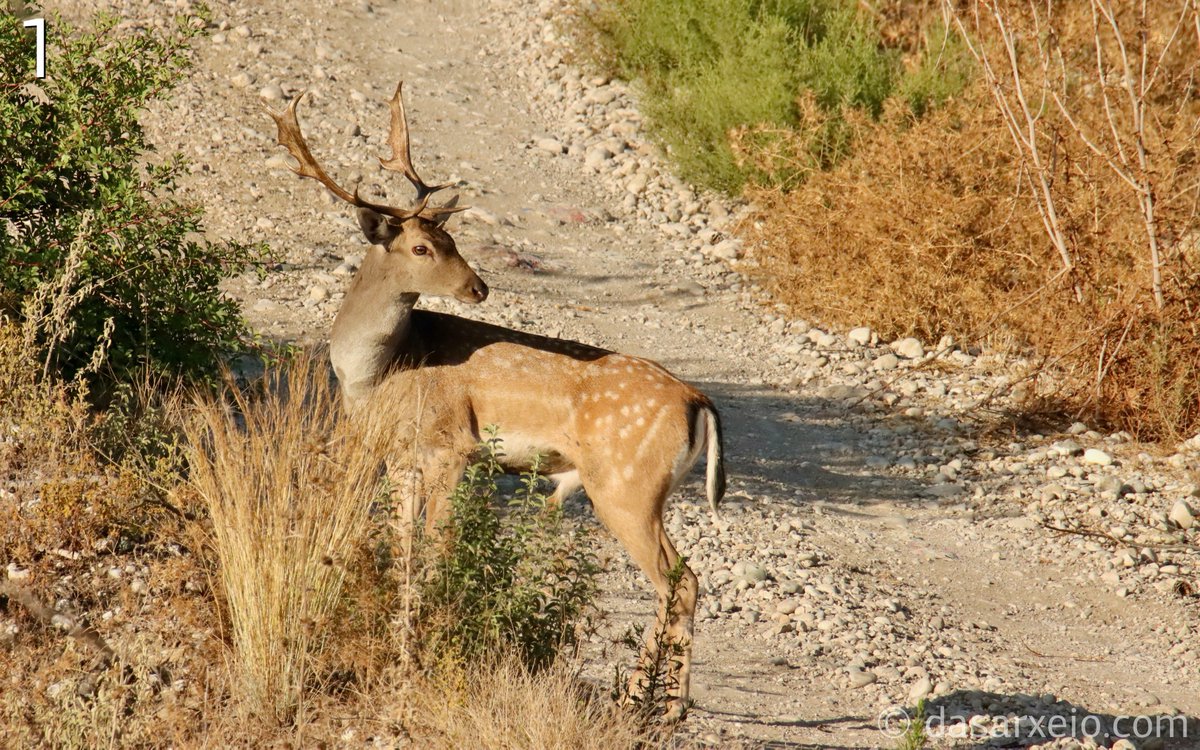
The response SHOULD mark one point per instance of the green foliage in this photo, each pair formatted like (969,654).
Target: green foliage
(710,67)
(523,583)
(915,737)
(943,70)
(93,245)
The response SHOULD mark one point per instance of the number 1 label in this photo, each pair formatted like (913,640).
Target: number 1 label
(40,25)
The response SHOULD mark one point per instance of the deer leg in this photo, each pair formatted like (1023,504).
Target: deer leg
(440,474)
(638,526)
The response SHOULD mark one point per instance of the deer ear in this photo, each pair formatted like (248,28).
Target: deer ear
(442,217)
(376,227)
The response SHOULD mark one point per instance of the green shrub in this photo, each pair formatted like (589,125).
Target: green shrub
(520,584)
(93,244)
(711,67)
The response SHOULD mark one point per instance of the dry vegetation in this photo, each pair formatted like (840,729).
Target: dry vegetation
(1049,208)
(276,597)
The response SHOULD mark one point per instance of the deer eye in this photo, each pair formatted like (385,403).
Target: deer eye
(420,250)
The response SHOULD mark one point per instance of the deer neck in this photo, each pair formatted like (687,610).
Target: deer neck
(371,332)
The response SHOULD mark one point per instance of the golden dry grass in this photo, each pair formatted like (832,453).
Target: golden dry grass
(288,484)
(502,704)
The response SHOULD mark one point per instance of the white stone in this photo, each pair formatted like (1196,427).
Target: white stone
(1097,457)
(909,348)
(860,336)
(549,145)
(272,92)
(1182,515)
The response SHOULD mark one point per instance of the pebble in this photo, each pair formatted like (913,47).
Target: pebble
(859,678)
(272,92)
(1097,457)
(861,336)
(909,348)
(920,689)
(549,145)
(1182,515)
(887,361)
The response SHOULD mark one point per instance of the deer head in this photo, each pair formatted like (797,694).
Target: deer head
(410,251)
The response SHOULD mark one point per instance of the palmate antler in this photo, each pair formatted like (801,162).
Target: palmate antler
(290,137)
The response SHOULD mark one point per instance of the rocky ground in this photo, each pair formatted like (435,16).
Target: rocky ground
(877,545)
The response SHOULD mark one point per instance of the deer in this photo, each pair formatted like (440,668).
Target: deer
(622,428)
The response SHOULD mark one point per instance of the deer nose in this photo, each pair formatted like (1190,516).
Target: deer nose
(479,290)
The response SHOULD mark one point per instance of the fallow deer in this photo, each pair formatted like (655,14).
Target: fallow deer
(622,427)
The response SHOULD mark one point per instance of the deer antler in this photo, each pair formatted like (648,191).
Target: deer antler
(401,160)
(292,139)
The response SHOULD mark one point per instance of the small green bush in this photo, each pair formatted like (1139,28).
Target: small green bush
(519,584)
(710,67)
(93,245)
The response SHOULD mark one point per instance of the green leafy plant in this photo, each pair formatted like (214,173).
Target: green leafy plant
(523,582)
(712,68)
(94,246)
(915,737)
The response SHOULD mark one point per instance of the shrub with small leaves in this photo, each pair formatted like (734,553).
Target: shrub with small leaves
(94,244)
(521,583)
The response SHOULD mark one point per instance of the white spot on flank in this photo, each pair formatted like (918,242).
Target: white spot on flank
(640,421)
(628,473)
(624,411)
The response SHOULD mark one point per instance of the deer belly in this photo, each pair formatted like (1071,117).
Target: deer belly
(520,452)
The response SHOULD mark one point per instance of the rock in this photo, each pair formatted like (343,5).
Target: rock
(272,92)
(637,184)
(1077,428)
(596,157)
(860,336)
(1097,457)
(750,572)
(602,95)
(909,348)
(725,250)
(241,80)
(318,293)
(1067,448)
(887,361)
(920,689)
(549,145)
(859,678)
(17,573)
(475,213)
(1182,515)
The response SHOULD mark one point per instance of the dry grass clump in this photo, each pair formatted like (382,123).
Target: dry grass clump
(952,225)
(288,484)
(502,703)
